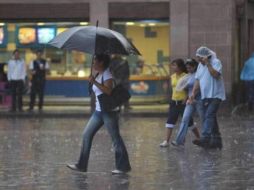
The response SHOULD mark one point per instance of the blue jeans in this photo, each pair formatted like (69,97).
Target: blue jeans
(210,127)
(187,116)
(110,121)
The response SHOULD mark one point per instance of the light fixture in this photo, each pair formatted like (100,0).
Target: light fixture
(81,73)
(2,24)
(83,23)
(40,23)
(130,23)
(151,24)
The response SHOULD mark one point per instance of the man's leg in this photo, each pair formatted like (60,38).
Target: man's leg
(13,95)
(20,88)
(211,107)
(32,96)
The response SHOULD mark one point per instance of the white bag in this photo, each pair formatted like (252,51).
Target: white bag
(182,83)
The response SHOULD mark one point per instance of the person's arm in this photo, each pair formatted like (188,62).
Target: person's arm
(31,68)
(195,90)
(47,68)
(9,71)
(23,73)
(106,87)
(212,71)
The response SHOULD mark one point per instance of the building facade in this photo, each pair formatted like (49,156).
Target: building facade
(161,29)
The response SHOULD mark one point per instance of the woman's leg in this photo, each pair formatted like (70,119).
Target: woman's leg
(196,132)
(121,155)
(187,115)
(173,114)
(93,125)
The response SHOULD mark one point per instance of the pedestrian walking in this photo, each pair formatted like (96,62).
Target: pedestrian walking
(209,81)
(38,67)
(190,109)
(16,76)
(103,83)
(247,75)
(177,103)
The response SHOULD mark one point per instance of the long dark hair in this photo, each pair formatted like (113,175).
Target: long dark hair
(180,64)
(192,63)
(104,58)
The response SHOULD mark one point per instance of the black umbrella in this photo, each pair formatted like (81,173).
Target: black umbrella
(94,40)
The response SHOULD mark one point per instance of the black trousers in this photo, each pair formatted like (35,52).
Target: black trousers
(17,87)
(37,88)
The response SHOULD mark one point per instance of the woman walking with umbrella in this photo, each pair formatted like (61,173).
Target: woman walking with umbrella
(103,83)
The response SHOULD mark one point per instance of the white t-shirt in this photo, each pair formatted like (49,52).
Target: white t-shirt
(209,86)
(106,76)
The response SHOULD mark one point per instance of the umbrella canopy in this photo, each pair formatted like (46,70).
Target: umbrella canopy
(94,40)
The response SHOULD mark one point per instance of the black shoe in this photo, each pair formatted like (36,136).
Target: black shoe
(215,143)
(74,167)
(201,143)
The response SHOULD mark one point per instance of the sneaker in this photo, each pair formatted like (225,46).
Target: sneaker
(117,172)
(175,144)
(74,167)
(201,143)
(164,144)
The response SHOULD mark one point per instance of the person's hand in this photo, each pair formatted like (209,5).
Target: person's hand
(205,60)
(91,79)
(190,100)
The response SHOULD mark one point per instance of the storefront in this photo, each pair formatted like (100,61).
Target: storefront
(162,30)
(69,70)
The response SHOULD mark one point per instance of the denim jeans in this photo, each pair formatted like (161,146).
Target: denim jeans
(110,121)
(210,128)
(187,116)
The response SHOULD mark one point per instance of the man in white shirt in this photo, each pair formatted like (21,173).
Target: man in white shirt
(209,81)
(16,76)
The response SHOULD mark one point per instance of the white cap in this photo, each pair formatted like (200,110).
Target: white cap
(203,52)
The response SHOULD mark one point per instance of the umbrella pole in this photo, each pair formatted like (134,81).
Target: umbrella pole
(91,69)
(92,100)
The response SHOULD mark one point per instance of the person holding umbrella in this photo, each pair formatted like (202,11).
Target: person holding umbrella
(102,83)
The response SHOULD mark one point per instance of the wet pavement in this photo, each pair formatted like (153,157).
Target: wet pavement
(34,153)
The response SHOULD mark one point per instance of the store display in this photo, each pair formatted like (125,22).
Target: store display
(27,35)
(45,35)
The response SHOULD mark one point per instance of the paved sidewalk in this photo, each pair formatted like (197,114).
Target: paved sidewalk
(84,110)
(34,153)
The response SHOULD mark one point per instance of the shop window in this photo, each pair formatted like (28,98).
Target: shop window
(151,37)
(28,37)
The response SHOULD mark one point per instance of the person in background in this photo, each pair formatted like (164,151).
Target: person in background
(38,67)
(138,70)
(103,83)
(16,76)
(209,82)
(247,75)
(120,70)
(177,103)
(191,65)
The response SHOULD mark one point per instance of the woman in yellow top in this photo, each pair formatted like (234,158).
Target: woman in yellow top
(177,103)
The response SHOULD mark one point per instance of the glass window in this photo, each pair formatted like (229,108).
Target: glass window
(151,37)
(28,37)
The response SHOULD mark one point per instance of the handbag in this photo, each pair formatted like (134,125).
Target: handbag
(119,96)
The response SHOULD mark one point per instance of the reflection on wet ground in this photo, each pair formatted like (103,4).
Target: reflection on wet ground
(34,153)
